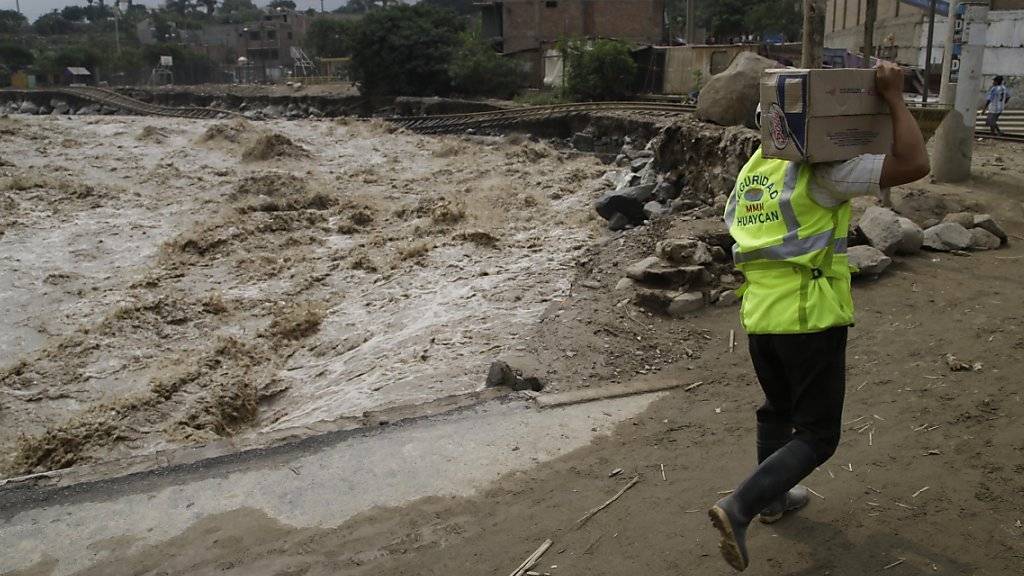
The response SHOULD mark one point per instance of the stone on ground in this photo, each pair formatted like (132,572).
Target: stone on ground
(516,375)
(653,209)
(868,260)
(912,237)
(947,236)
(629,203)
(686,303)
(653,271)
(731,97)
(684,251)
(965,219)
(982,239)
(881,227)
(727,298)
(986,222)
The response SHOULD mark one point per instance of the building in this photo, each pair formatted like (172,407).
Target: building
(901,32)
(266,44)
(529,29)
(75,76)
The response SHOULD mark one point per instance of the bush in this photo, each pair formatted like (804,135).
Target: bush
(601,70)
(477,70)
(405,50)
(329,38)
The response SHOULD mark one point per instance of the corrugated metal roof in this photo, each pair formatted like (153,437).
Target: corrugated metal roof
(78,71)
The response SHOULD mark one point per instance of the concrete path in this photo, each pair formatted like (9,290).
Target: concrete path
(320,482)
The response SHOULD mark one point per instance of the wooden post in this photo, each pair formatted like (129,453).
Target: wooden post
(814,34)
(870,15)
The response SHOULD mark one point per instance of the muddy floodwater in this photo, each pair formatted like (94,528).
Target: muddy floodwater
(167,282)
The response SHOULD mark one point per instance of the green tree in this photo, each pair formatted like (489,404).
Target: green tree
(598,70)
(238,11)
(461,7)
(11,21)
(15,56)
(405,50)
(776,17)
(282,4)
(330,38)
(52,23)
(477,70)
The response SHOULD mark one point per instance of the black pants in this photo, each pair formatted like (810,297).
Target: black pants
(804,381)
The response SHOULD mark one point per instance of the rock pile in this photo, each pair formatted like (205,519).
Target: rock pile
(682,277)
(639,193)
(888,234)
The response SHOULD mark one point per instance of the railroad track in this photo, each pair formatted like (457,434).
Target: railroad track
(106,97)
(449,123)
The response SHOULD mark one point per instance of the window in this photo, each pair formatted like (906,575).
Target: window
(551,4)
(289,35)
(254,35)
(271,34)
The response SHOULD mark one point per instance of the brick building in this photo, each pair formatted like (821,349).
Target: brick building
(529,29)
(528,24)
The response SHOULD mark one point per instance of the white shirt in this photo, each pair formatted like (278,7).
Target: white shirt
(836,182)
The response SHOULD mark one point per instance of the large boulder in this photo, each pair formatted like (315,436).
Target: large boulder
(868,260)
(881,227)
(730,98)
(28,107)
(982,239)
(986,222)
(965,219)
(912,237)
(947,236)
(628,203)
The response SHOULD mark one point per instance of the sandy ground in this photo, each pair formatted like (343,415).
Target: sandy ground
(928,478)
(169,282)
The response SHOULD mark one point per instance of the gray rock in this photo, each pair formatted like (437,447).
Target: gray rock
(315,112)
(912,237)
(273,111)
(986,222)
(653,271)
(881,227)
(583,141)
(627,179)
(709,212)
(44,110)
(684,304)
(727,298)
(947,236)
(89,110)
(622,160)
(718,254)
(653,300)
(666,191)
(624,284)
(629,203)
(649,176)
(868,260)
(982,239)
(638,154)
(108,110)
(640,164)
(686,251)
(730,98)
(619,222)
(516,377)
(653,209)
(965,219)
(28,107)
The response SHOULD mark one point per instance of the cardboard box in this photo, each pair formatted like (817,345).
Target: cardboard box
(822,115)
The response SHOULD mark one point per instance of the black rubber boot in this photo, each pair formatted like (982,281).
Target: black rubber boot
(773,478)
(791,501)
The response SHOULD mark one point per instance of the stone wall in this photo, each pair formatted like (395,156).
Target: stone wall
(709,157)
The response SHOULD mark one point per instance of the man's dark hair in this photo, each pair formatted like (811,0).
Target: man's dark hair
(998,80)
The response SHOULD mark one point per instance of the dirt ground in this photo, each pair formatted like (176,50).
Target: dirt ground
(169,282)
(929,477)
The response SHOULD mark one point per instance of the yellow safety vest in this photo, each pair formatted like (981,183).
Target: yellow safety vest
(791,250)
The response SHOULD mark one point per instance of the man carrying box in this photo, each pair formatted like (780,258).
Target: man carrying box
(790,220)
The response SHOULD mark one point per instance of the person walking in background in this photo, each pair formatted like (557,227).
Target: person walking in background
(995,103)
(797,308)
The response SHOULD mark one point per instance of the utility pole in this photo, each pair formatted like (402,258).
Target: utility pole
(813,34)
(691,22)
(928,51)
(961,87)
(870,15)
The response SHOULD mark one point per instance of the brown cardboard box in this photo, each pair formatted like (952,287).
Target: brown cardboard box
(822,115)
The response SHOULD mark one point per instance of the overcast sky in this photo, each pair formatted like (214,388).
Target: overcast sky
(32,9)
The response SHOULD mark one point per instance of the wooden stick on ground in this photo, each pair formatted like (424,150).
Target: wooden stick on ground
(692,386)
(589,515)
(732,340)
(529,562)
(894,564)
(663,472)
